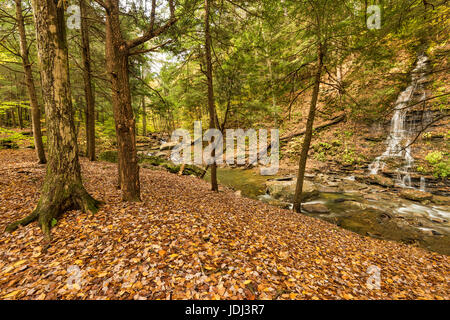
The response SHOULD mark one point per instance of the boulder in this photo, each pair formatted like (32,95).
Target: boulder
(354,205)
(315,208)
(380,180)
(168,145)
(285,190)
(415,195)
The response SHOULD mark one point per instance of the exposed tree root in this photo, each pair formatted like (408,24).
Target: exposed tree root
(25,221)
(50,207)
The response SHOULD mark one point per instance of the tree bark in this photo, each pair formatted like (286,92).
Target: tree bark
(144,118)
(35,110)
(211,105)
(308,133)
(19,113)
(117,53)
(88,89)
(62,189)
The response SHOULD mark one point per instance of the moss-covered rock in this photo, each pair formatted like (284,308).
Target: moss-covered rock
(110,156)
(152,160)
(170,166)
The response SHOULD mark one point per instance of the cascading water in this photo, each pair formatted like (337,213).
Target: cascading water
(399,139)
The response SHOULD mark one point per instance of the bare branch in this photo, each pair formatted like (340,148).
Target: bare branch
(151,33)
(151,49)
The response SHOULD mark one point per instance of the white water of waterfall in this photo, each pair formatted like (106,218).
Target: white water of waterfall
(399,139)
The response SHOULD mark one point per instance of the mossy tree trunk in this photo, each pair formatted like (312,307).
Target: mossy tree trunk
(35,110)
(63,188)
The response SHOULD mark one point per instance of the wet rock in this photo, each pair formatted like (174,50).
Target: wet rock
(438,220)
(285,190)
(380,180)
(372,196)
(328,189)
(315,208)
(354,205)
(430,232)
(168,145)
(348,185)
(415,195)
(441,200)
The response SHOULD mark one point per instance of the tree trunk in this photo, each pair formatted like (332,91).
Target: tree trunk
(19,113)
(144,118)
(117,64)
(13,117)
(211,106)
(88,90)
(35,110)
(63,188)
(308,133)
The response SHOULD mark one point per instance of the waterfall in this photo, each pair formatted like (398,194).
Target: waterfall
(400,135)
(422,184)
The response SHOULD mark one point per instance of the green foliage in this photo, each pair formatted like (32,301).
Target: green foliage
(110,156)
(349,157)
(10,139)
(440,163)
(434,157)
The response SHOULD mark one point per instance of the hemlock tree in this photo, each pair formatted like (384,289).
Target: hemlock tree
(321,24)
(88,90)
(35,110)
(118,51)
(63,188)
(211,104)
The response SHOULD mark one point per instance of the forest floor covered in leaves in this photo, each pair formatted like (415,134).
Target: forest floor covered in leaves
(186,242)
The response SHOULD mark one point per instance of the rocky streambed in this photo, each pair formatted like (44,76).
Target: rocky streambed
(366,207)
(371,205)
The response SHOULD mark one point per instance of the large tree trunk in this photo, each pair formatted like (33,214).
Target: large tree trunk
(308,133)
(35,111)
(63,188)
(117,64)
(211,106)
(88,90)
